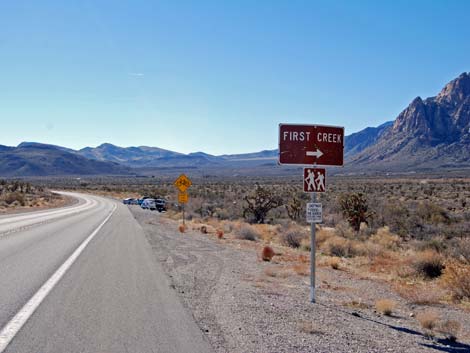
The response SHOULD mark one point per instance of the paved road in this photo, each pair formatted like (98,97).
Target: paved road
(93,281)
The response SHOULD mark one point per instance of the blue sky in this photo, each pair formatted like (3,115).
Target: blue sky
(218,76)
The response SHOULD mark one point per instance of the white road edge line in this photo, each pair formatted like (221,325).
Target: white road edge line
(14,325)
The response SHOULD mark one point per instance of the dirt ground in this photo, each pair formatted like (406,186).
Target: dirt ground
(244,304)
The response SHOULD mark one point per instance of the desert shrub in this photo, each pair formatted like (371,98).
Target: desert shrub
(428,320)
(432,213)
(456,279)
(247,232)
(385,306)
(460,250)
(395,216)
(321,235)
(334,262)
(340,247)
(428,264)
(355,209)
(386,239)
(305,244)
(267,253)
(259,203)
(343,229)
(15,196)
(293,238)
(450,329)
(294,209)
(437,244)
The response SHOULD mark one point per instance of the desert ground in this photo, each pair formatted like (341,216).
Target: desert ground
(393,258)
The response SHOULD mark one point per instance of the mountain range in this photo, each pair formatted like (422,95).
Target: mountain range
(429,134)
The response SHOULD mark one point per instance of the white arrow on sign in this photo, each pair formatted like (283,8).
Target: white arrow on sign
(316,153)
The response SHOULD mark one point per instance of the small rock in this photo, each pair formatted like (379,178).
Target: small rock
(412,315)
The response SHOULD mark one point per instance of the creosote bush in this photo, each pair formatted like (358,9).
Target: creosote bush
(428,321)
(340,247)
(247,232)
(450,329)
(293,238)
(428,264)
(456,279)
(385,306)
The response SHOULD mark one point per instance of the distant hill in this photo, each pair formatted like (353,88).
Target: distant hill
(359,141)
(428,134)
(130,156)
(34,159)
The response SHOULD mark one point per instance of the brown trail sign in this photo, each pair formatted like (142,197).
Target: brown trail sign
(311,144)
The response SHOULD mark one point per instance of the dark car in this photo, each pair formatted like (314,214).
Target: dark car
(160,204)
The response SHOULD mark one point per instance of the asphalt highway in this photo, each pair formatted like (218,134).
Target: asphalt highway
(84,279)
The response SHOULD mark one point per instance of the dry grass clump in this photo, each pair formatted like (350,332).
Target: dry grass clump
(420,294)
(302,269)
(428,264)
(428,320)
(456,279)
(247,232)
(357,304)
(385,306)
(275,272)
(305,244)
(293,238)
(386,239)
(267,253)
(322,235)
(450,329)
(334,262)
(341,247)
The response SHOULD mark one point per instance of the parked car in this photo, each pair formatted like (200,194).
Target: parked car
(149,204)
(142,199)
(128,201)
(160,204)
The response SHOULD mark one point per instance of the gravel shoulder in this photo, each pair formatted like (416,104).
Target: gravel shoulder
(246,305)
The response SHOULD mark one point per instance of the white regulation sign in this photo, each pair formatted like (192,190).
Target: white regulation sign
(314,212)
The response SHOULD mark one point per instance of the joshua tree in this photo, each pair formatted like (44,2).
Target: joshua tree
(260,202)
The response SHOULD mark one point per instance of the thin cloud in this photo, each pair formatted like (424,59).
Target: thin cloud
(136,74)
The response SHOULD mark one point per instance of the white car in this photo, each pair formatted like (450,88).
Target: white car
(149,204)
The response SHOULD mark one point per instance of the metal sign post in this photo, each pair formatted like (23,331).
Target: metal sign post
(312,145)
(312,254)
(182,184)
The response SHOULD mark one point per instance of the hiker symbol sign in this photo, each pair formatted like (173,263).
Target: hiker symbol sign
(314,180)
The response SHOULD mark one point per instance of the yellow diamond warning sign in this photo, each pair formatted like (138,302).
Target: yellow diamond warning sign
(183,183)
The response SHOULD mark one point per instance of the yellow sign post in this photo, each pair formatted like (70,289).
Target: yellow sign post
(182,197)
(182,183)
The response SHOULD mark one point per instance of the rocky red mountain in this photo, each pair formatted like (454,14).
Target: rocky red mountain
(428,134)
